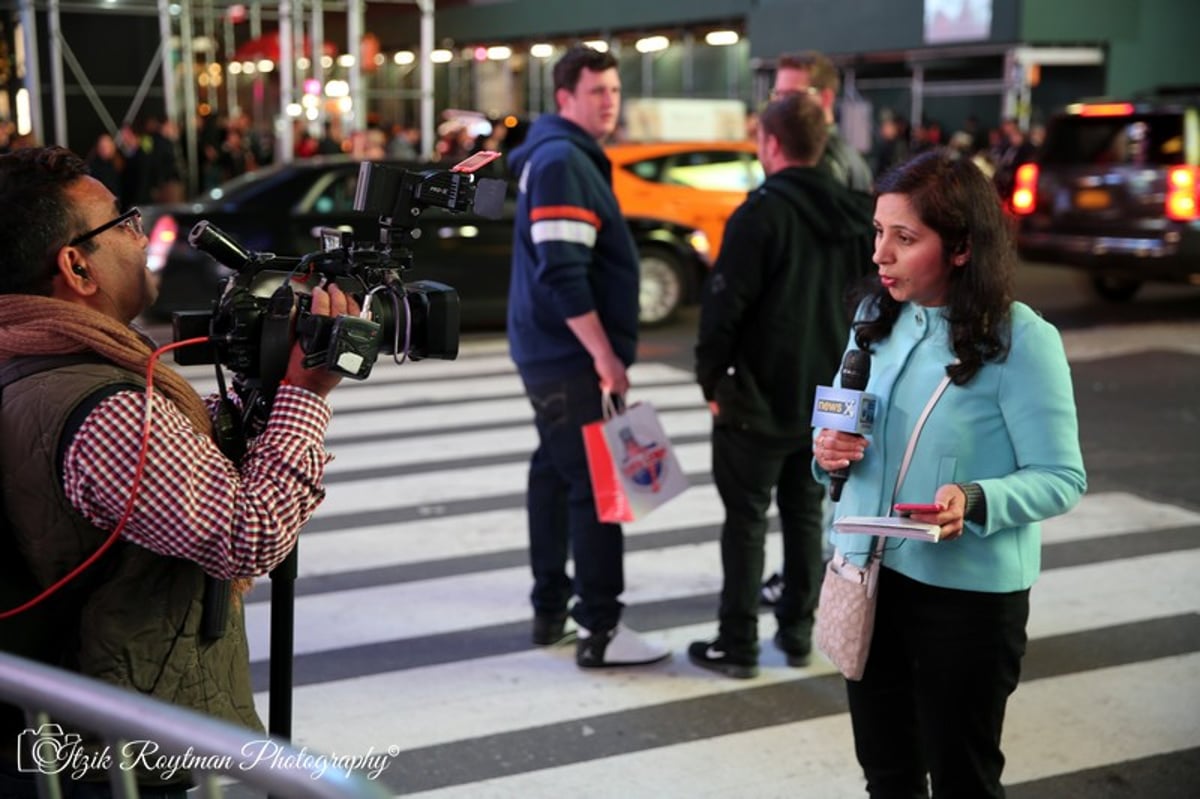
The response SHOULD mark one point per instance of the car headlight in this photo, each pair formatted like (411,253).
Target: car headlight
(700,244)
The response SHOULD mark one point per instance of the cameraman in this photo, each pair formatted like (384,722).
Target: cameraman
(72,278)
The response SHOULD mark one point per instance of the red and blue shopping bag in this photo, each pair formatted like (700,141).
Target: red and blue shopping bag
(632,465)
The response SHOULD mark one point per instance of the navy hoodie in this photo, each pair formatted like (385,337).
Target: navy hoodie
(572,253)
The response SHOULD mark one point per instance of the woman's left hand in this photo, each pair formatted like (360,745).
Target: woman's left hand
(954,502)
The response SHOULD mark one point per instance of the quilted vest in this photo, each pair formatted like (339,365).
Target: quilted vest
(133,618)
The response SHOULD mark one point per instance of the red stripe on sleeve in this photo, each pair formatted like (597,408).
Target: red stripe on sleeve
(565,212)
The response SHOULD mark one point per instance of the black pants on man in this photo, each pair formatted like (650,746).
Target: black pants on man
(562,510)
(747,467)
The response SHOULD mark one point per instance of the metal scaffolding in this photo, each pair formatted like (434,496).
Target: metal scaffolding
(177,20)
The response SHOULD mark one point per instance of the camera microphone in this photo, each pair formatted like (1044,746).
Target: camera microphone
(848,409)
(210,239)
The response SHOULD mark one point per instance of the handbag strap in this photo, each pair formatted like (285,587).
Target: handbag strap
(877,551)
(916,433)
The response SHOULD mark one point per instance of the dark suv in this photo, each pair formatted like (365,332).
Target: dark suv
(1114,192)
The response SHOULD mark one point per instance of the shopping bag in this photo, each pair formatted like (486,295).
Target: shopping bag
(631,463)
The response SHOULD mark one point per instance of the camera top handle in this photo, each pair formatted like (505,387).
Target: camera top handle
(210,239)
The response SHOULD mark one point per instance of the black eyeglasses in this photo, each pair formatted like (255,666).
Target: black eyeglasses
(131,219)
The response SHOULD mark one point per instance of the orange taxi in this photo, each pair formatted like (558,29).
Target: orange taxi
(693,184)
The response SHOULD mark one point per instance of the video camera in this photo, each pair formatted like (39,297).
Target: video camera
(264,307)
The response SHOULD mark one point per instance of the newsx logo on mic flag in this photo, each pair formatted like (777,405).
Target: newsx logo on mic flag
(844,409)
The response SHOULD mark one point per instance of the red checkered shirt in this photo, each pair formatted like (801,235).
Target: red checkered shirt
(195,503)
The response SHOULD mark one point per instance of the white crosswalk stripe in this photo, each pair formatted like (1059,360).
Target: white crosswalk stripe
(423,440)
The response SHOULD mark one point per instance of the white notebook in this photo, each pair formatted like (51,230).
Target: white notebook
(891,526)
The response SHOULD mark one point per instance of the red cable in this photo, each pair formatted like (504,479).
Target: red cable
(133,492)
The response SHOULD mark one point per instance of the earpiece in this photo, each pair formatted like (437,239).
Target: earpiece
(80,270)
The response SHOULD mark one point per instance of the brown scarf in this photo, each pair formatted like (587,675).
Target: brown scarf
(34,325)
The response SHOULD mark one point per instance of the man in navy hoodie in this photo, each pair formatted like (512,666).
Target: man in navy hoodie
(572,331)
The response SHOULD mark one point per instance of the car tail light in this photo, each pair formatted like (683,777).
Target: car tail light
(1181,194)
(1024,196)
(162,239)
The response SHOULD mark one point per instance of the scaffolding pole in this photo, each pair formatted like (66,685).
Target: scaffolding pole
(285,134)
(427,135)
(170,102)
(58,92)
(189,96)
(33,78)
(318,52)
(354,35)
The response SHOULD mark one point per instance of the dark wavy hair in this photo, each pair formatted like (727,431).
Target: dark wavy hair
(36,219)
(953,198)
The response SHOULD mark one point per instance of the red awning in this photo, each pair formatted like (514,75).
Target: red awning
(267,46)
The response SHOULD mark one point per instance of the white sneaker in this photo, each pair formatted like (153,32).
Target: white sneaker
(619,646)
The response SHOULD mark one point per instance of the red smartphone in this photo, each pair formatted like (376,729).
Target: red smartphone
(474,162)
(917,507)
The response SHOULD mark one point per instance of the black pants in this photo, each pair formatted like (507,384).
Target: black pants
(747,467)
(931,702)
(562,510)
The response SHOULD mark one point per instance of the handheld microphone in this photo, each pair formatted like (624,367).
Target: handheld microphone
(208,238)
(848,409)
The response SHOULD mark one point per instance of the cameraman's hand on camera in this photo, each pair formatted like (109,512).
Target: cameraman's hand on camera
(319,380)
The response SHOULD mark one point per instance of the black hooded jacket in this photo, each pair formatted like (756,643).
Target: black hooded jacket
(775,314)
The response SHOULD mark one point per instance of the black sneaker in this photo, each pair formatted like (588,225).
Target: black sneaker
(711,655)
(550,629)
(797,657)
(772,590)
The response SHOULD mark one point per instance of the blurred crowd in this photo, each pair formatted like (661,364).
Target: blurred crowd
(996,151)
(459,135)
(145,162)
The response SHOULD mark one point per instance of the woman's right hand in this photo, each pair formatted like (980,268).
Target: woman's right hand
(834,449)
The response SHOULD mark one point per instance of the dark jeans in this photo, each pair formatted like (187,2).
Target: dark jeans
(942,666)
(562,513)
(746,468)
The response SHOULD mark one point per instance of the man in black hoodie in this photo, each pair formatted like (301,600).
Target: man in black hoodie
(774,321)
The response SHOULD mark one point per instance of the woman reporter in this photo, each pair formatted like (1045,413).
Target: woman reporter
(999,452)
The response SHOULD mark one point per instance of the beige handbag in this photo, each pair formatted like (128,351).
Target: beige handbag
(846,607)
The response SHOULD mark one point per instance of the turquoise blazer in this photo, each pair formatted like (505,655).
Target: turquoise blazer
(1012,429)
